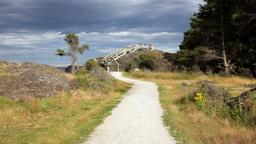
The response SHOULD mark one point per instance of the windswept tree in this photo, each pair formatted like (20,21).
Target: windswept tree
(74,48)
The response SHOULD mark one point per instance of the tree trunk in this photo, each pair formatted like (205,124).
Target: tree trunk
(226,65)
(224,56)
(73,63)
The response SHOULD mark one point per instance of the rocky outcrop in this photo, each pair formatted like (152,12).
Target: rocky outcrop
(245,106)
(26,80)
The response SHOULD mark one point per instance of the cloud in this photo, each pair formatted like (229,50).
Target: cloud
(97,40)
(29,39)
(95,15)
(41,47)
(31,30)
(125,38)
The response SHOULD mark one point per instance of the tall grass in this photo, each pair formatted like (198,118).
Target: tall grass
(162,75)
(67,118)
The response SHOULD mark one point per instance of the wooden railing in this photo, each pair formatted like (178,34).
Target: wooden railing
(113,57)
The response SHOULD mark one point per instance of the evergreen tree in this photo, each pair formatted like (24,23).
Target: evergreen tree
(225,31)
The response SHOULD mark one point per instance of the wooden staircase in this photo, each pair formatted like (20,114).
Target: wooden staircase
(111,59)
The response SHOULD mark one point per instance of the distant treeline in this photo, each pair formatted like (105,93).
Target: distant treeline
(221,38)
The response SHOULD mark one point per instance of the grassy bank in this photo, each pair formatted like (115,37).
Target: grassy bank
(191,125)
(67,118)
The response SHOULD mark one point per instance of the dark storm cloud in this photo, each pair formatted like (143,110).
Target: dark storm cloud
(31,30)
(95,15)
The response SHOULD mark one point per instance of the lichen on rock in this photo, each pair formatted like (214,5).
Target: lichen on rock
(26,80)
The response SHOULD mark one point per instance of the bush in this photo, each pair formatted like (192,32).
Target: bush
(243,107)
(214,93)
(212,99)
(82,81)
(153,60)
(99,74)
(102,80)
(97,79)
(88,66)
(145,60)
(130,66)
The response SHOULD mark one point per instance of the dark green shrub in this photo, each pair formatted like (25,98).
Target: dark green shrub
(145,62)
(154,61)
(90,64)
(87,67)
(130,66)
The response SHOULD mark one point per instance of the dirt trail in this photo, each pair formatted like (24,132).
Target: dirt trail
(136,120)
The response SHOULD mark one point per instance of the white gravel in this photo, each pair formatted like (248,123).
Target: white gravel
(136,120)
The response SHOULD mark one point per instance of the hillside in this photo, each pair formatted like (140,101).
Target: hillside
(142,59)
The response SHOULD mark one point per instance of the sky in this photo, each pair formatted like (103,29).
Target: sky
(32,30)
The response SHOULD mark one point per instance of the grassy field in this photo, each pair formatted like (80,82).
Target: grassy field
(67,118)
(190,125)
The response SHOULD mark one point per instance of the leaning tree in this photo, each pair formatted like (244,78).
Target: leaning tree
(74,48)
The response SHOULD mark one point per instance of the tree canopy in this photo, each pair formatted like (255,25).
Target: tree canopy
(74,48)
(228,25)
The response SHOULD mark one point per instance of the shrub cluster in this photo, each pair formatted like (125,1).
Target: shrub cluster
(243,107)
(210,99)
(145,60)
(92,76)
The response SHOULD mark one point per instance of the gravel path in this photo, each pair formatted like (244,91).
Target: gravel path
(136,120)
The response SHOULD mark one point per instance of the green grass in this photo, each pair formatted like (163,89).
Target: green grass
(187,123)
(169,116)
(3,73)
(67,118)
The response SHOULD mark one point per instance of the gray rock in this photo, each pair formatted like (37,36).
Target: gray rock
(25,80)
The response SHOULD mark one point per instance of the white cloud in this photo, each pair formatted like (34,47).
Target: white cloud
(123,38)
(111,24)
(134,36)
(28,39)
(48,42)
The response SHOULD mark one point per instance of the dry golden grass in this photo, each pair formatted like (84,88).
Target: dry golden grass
(236,84)
(69,76)
(187,123)
(3,72)
(67,118)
